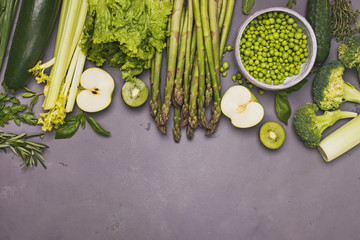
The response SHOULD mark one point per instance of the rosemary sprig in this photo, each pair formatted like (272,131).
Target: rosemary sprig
(30,152)
(342,19)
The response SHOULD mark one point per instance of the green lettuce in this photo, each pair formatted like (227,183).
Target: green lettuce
(125,33)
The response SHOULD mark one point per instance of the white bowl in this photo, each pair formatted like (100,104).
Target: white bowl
(305,67)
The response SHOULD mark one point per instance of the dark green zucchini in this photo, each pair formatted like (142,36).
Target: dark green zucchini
(318,15)
(32,33)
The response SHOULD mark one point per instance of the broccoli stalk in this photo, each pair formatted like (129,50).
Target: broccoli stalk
(329,89)
(309,126)
(350,93)
(349,53)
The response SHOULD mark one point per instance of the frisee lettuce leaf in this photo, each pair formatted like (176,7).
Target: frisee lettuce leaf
(125,33)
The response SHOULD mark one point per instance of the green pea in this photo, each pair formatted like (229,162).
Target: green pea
(298,35)
(229,48)
(225,65)
(238,76)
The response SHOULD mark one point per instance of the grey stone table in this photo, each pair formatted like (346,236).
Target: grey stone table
(140,185)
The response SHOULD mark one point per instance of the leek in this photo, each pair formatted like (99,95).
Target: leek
(341,140)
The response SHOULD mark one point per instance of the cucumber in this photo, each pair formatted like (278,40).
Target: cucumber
(319,17)
(32,33)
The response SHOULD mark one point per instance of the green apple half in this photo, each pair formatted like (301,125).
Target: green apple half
(242,107)
(96,91)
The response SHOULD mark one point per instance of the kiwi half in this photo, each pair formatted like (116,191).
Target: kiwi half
(134,93)
(272,135)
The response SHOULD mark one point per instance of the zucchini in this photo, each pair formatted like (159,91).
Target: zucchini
(319,17)
(32,33)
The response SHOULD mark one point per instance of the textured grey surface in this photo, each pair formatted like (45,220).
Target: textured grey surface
(140,185)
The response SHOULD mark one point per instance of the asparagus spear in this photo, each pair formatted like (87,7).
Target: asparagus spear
(189,60)
(178,96)
(219,5)
(226,25)
(171,68)
(222,14)
(208,91)
(190,132)
(162,128)
(192,119)
(216,110)
(201,58)
(215,36)
(155,101)
(152,72)
(177,121)
(193,116)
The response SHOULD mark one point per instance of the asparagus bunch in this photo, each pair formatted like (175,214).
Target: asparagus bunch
(198,30)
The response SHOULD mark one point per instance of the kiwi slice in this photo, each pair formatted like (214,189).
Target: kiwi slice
(134,93)
(272,135)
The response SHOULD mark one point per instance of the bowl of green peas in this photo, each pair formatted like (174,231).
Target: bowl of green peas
(275,48)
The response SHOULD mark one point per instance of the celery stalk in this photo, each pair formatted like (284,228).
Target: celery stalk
(70,73)
(75,82)
(341,140)
(66,67)
(63,17)
(60,67)
(79,25)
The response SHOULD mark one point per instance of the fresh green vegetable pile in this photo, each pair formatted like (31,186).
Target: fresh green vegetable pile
(273,47)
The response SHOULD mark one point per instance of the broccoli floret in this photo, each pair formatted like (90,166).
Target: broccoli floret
(349,53)
(329,89)
(309,126)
